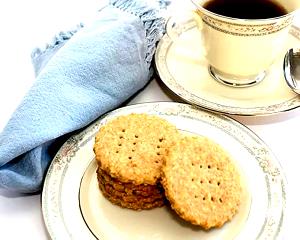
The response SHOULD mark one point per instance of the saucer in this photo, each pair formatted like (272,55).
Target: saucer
(182,67)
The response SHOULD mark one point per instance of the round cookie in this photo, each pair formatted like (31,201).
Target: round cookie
(131,148)
(201,182)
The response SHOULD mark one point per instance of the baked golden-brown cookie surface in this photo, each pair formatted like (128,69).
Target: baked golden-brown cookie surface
(201,182)
(131,147)
(129,152)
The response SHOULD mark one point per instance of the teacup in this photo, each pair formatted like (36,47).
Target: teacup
(240,50)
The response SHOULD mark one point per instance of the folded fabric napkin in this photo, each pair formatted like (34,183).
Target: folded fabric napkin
(81,75)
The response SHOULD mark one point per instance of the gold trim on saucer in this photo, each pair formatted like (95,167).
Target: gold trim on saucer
(182,67)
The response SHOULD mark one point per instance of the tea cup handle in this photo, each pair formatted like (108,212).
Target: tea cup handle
(175,26)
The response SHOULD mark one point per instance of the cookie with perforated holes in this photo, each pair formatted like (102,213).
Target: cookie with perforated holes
(131,147)
(129,151)
(201,182)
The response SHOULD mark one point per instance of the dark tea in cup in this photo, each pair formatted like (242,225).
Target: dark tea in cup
(246,9)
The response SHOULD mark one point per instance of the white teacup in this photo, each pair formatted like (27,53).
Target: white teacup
(240,51)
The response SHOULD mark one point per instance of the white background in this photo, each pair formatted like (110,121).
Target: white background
(31,23)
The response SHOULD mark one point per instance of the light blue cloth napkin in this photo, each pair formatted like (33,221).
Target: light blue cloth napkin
(81,75)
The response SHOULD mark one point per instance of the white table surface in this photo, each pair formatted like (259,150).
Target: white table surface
(27,24)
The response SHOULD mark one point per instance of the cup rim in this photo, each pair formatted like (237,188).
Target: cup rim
(242,19)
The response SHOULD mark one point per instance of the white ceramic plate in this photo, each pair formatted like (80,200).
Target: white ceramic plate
(74,208)
(182,67)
